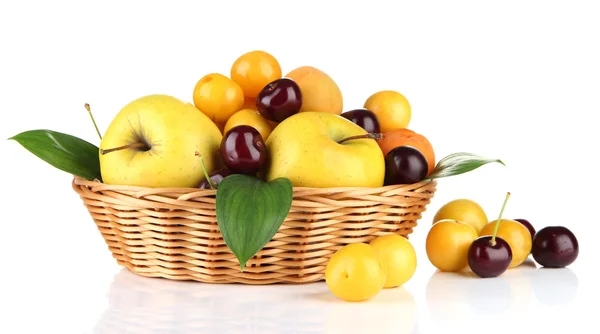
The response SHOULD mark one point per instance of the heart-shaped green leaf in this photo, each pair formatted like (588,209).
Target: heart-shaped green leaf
(459,163)
(65,152)
(250,212)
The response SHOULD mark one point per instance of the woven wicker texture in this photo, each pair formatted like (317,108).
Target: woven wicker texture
(173,233)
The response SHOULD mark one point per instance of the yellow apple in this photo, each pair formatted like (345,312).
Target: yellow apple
(305,148)
(152,142)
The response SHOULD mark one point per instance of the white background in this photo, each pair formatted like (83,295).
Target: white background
(516,80)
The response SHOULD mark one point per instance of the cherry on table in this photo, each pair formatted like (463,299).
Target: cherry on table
(489,258)
(490,255)
(243,150)
(555,247)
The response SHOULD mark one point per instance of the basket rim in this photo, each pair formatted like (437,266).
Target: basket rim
(79,181)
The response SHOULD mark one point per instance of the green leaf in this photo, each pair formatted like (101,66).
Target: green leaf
(459,163)
(250,212)
(65,152)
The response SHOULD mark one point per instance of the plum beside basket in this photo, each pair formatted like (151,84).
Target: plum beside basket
(173,233)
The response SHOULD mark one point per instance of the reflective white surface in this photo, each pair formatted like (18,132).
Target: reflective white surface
(441,302)
(118,301)
(449,301)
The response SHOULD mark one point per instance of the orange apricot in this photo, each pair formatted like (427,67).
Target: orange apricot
(319,91)
(405,137)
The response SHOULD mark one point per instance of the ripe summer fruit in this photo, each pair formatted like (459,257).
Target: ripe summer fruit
(215,178)
(243,150)
(279,100)
(447,244)
(528,225)
(249,117)
(464,210)
(319,92)
(137,148)
(405,137)
(515,234)
(309,149)
(218,97)
(404,165)
(364,118)
(356,272)
(249,103)
(392,109)
(399,256)
(555,247)
(254,70)
(490,256)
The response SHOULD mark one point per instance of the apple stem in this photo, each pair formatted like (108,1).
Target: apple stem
(375,136)
(493,241)
(134,145)
(89,110)
(212,186)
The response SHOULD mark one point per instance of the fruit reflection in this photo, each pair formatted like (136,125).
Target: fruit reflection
(142,305)
(456,299)
(392,311)
(553,286)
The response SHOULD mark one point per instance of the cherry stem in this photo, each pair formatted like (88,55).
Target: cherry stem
(134,145)
(493,241)
(212,186)
(375,136)
(89,110)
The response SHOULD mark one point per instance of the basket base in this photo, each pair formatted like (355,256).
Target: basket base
(173,233)
(195,277)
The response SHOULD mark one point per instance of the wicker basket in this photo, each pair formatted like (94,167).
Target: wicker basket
(173,233)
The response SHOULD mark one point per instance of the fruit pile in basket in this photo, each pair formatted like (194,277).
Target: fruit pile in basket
(252,137)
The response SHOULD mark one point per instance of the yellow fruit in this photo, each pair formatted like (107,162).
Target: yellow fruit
(464,210)
(516,235)
(254,70)
(391,108)
(169,132)
(447,244)
(218,97)
(355,272)
(305,149)
(252,118)
(319,92)
(399,256)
